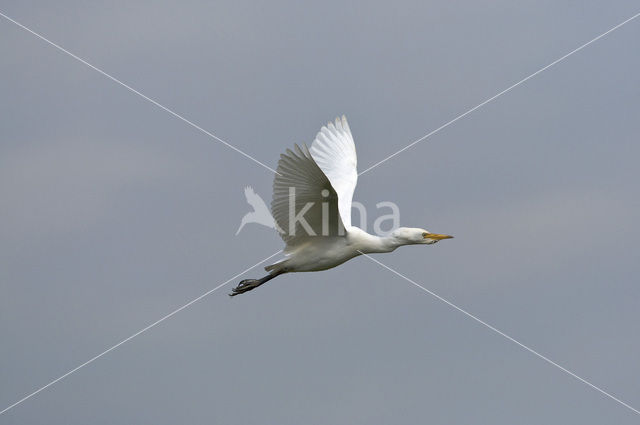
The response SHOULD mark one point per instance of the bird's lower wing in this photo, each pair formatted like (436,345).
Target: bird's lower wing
(305,204)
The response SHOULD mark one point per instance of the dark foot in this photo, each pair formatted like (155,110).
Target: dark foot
(245,286)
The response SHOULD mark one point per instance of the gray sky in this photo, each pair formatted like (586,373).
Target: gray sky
(114,213)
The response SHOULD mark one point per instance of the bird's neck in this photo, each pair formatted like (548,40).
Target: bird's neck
(388,243)
(370,244)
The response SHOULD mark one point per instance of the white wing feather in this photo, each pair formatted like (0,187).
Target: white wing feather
(298,170)
(335,153)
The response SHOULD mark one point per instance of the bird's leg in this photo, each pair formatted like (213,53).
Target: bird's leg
(249,284)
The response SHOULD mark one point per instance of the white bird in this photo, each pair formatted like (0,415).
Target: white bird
(311,204)
(260,213)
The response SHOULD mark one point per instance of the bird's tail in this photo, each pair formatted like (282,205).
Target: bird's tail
(275,267)
(271,267)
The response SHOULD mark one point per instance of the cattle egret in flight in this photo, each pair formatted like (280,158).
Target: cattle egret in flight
(311,207)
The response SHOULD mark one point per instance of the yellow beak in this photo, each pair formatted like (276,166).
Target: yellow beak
(437,237)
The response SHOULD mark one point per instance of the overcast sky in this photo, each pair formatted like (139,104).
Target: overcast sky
(113,213)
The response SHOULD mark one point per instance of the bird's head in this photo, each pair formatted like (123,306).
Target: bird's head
(414,236)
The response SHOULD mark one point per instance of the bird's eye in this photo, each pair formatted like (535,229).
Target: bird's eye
(424,234)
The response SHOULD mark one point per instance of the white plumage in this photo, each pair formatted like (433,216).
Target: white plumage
(335,153)
(311,206)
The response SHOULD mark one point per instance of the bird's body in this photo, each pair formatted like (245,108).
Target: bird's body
(325,252)
(321,254)
(311,206)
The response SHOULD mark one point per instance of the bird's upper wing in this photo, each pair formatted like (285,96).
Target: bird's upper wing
(335,153)
(299,173)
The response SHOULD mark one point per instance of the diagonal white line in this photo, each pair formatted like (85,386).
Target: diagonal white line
(115,80)
(499,332)
(157,322)
(274,171)
(499,94)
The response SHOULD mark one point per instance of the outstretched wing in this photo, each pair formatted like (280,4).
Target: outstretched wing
(335,153)
(301,192)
